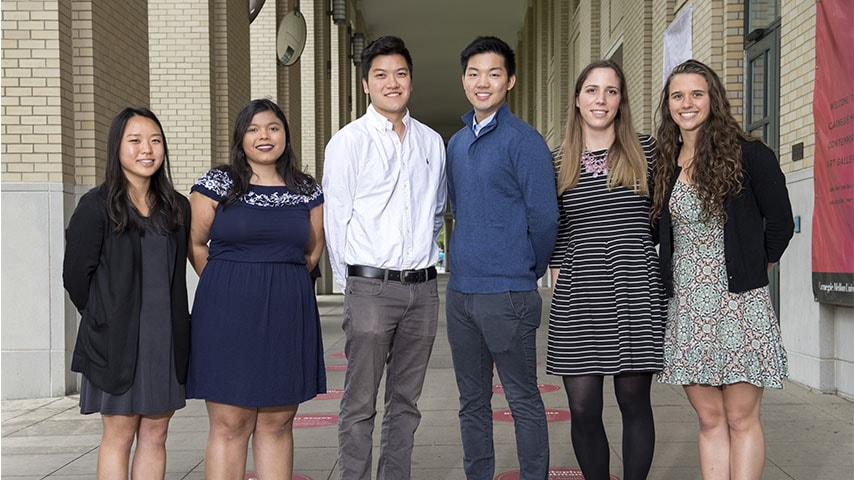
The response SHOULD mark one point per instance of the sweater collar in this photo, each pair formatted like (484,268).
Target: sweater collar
(503,111)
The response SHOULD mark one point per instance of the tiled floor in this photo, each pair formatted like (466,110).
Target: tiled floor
(810,436)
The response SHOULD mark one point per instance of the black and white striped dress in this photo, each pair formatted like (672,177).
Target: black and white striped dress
(608,307)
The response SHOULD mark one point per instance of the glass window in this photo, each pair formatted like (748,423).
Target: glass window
(761,14)
(758,88)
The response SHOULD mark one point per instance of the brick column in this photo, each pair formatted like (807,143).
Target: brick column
(231,70)
(181,90)
(262,35)
(289,86)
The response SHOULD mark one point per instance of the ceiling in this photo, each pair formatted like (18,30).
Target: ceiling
(435,32)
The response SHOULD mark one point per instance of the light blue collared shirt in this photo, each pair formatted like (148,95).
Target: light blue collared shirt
(479,126)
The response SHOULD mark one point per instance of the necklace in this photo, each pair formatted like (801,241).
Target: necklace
(595,163)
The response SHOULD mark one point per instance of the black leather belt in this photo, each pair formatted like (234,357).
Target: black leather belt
(402,276)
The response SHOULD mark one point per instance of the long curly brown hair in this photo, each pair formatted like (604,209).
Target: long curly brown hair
(626,162)
(716,169)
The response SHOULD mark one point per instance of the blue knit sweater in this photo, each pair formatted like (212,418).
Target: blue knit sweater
(501,186)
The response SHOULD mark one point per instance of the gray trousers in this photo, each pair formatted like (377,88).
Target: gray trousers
(388,327)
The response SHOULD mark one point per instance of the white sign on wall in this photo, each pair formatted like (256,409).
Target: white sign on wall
(678,41)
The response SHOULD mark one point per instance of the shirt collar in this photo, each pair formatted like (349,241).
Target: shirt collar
(378,121)
(479,126)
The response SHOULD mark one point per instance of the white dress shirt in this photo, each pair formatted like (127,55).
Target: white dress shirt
(384,197)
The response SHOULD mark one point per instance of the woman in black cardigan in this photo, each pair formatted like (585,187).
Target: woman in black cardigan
(723,219)
(124,269)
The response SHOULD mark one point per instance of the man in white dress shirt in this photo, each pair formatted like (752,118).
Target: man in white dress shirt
(384,189)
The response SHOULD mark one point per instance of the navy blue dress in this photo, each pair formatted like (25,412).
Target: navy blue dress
(256,338)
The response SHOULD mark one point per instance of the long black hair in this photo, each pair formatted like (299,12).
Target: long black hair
(286,165)
(162,197)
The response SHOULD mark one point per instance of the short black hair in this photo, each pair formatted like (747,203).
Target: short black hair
(490,45)
(385,45)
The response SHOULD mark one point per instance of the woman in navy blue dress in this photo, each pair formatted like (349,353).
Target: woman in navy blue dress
(256,350)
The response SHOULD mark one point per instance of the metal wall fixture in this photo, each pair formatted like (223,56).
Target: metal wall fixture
(338,11)
(357,43)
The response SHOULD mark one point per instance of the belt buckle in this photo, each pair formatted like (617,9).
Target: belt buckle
(403,274)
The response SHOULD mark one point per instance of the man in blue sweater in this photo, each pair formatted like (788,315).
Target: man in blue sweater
(502,192)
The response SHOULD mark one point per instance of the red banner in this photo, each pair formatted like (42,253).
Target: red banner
(833,110)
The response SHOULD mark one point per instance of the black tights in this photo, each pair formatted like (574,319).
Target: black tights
(588,432)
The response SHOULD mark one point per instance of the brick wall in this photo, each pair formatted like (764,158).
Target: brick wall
(110,43)
(637,67)
(180,66)
(231,70)
(263,57)
(37,111)
(797,81)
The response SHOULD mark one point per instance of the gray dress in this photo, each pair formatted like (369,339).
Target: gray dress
(155,389)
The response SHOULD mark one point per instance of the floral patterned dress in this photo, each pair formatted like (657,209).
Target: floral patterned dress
(714,336)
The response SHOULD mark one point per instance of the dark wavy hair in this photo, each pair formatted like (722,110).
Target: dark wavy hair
(490,45)
(626,162)
(386,45)
(717,167)
(286,165)
(162,197)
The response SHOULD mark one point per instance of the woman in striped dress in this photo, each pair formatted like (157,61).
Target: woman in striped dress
(608,309)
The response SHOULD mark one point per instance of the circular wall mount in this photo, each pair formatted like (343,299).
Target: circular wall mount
(290,39)
(255,8)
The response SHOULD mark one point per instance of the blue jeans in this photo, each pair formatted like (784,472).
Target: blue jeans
(499,328)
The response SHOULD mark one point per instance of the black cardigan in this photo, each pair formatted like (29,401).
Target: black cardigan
(759,222)
(102,274)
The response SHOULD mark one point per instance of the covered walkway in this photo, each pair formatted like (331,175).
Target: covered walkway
(810,436)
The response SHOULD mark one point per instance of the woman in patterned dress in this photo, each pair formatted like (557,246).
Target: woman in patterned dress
(723,220)
(608,309)
(125,271)
(256,350)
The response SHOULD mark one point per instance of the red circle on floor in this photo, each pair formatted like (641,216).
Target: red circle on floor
(552,415)
(338,355)
(336,368)
(331,394)
(554,474)
(544,388)
(315,420)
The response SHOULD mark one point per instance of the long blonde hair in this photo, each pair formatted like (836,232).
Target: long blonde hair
(627,165)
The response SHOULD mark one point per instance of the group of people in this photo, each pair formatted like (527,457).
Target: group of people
(696,311)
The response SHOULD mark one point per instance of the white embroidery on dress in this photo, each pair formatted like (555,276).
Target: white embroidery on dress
(219,182)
